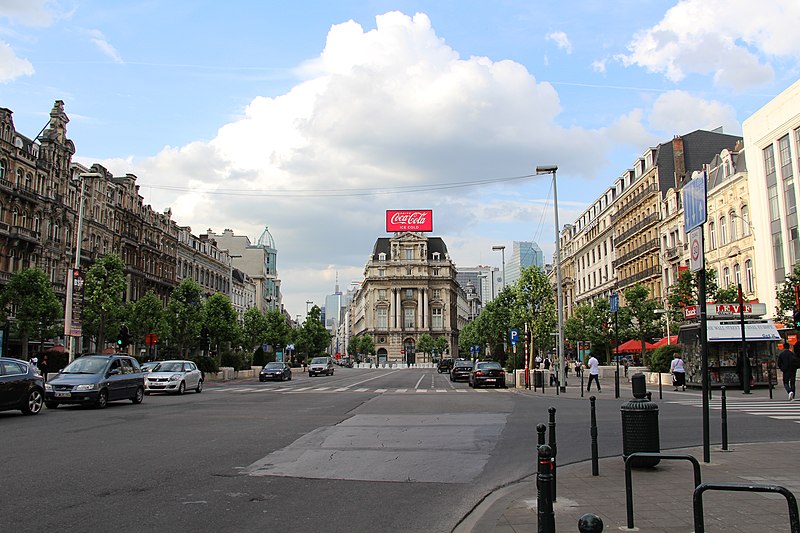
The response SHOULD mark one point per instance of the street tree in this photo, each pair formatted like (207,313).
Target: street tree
(425,344)
(37,310)
(313,338)
(220,320)
(642,322)
(254,329)
(786,295)
(441,345)
(535,305)
(145,316)
(184,314)
(277,332)
(685,292)
(103,293)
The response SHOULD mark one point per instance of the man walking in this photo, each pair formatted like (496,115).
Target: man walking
(788,363)
(594,373)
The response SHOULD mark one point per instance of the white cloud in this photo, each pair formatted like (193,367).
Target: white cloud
(679,112)
(561,40)
(390,107)
(599,65)
(11,66)
(29,12)
(733,40)
(100,41)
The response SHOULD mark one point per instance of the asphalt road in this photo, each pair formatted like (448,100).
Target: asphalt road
(363,450)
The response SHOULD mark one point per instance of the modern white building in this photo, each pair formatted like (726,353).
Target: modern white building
(772,148)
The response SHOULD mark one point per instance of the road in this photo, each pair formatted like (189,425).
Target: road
(362,450)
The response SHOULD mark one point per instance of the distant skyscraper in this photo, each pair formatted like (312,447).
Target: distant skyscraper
(523,255)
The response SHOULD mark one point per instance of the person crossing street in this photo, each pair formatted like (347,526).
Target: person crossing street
(594,373)
(788,362)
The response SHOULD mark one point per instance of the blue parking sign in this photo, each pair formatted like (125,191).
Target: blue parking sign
(514,335)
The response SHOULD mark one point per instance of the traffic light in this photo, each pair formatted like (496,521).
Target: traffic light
(124,337)
(204,336)
(527,336)
(797,318)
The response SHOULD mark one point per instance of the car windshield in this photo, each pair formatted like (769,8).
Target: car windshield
(274,366)
(463,363)
(319,361)
(489,365)
(86,365)
(169,366)
(148,366)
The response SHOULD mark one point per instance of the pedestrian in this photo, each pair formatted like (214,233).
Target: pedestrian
(34,361)
(43,367)
(678,372)
(625,364)
(538,361)
(789,362)
(594,373)
(547,363)
(578,368)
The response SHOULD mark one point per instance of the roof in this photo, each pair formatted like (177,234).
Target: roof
(435,245)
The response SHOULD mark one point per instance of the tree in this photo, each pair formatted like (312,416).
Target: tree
(441,345)
(785,294)
(220,320)
(37,309)
(425,343)
(254,329)
(643,322)
(685,292)
(184,315)
(313,337)
(276,332)
(145,316)
(102,298)
(535,305)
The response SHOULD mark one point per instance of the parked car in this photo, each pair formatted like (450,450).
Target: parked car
(149,366)
(320,365)
(275,370)
(21,386)
(461,370)
(175,377)
(96,380)
(487,373)
(444,365)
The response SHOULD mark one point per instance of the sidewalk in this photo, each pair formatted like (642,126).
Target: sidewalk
(662,496)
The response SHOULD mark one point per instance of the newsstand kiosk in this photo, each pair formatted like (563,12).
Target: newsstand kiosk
(724,326)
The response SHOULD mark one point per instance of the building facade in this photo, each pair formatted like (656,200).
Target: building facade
(409,289)
(523,255)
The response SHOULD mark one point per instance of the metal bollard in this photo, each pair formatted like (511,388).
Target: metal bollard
(581,383)
(553,446)
(541,429)
(660,392)
(769,378)
(593,431)
(590,523)
(544,500)
(724,419)
(616,381)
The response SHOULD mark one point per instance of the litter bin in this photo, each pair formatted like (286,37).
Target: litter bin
(538,378)
(640,425)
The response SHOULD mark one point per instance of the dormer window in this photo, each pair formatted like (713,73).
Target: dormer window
(408,253)
(437,256)
(382,256)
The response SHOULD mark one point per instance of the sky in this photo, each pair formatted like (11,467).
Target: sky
(312,118)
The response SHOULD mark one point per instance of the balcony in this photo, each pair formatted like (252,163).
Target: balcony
(24,234)
(648,221)
(670,254)
(646,247)
(650,272)
(633,202)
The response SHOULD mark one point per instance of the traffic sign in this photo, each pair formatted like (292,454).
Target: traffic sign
(613,302)
(514,335)
(696,251)
(694,202)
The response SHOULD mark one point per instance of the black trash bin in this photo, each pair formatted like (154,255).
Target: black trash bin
(538,378)
(640,425)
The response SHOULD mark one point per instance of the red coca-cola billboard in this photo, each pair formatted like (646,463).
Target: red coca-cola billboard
(409,220)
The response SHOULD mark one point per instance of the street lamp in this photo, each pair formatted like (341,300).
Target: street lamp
(551,169)
(503,258)
(69,332)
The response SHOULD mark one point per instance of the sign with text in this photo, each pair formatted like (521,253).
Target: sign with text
(76,305)
(696,249)
(694,203)
(409,220)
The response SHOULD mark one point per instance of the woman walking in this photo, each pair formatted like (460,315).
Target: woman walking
(678,372)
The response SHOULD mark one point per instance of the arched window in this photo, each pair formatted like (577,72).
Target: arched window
(726,277)
(15,217)
(732,221)
(737,274)
(748,273)
(712,235)
(2,169)
(723,233)
(745,216)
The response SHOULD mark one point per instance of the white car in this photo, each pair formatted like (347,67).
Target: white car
(174,377)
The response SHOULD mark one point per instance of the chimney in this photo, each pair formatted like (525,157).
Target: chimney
(679,163)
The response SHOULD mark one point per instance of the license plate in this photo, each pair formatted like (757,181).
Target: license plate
(63,394)
(490,379)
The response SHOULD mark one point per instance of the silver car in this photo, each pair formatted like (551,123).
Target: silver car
(320,365)
(174,377)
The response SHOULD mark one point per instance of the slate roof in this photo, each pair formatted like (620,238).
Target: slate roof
(435,244)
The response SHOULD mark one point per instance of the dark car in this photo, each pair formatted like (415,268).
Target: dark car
(461,370)
(487,373)
(320,365)
(275,370)
(21,386)
(96,380)
(444,365)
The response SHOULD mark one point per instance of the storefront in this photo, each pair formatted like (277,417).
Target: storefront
(724,327)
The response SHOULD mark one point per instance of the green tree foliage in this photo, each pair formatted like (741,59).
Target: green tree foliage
(785,294)
(661,358)
(103,298)
(254,329)
(534,303)
(685,292)
(184,315)
(593,323)
(642,323)
(221,320)
(441,345)
(425,344)
(277,333)
(38,310)
(313,338)
(144,316)
(728,295)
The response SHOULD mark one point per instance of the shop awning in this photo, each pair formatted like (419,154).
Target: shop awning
(731,330)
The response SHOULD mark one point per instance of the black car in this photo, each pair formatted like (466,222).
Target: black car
(461,370)
(487,373)
(21,386)
(275,370)
(96,380)
(444,365)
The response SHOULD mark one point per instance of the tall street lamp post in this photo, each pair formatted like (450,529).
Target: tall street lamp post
(502,250)
(551,169)
(74,333)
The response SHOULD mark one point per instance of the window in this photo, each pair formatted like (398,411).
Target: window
(737,274)
(408,271)
(408,253)
(732,222)
(383,318)
(436,318)
(435,271)
(726,277)
(745,215)
(382,256)
(408,318)
(381,294)
(381,272)
(723,232)
(748,272)
(437,294)
(409,293)
(712,235)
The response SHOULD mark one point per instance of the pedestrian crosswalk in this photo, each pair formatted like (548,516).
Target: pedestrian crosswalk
(322,390)
(776,409)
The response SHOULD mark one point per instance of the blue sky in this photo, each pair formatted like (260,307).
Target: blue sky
(314,117)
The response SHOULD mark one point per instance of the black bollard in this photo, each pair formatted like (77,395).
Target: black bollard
(724,419)
(544,500)
(660,392)
(541,429)
(590,523)
(593,431)
(581,383)
(553,446)
(769,378)
(616,381)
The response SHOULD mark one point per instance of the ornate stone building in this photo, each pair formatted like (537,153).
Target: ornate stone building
(409,288)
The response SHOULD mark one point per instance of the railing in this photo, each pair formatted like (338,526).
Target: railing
(697,501)
(25,233)
(646,273)
(646,247)
(649,220)
(650,189)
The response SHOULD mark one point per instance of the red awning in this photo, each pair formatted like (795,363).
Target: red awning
(673,339)
(633,346)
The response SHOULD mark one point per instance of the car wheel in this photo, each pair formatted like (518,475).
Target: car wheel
(199,388)
(51,405)
(33,403)
(470,383)
(181,388)
(102,400)
(139,396)
(262,380)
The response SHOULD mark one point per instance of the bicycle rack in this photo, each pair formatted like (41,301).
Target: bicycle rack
(697,501)
(668,456)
